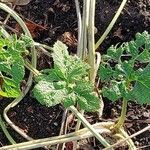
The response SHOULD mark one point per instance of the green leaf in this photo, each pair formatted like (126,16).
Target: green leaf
(11,65)
(127,67)
(89,102)
(105,72)
(47,93)
(115,53)
(132,48)
(76,68)
(60,55)
(141,39)
(10,88)
(141,90)
(65,82)
(82,87)
(48,75)
(144,57)
(70,100)
(124,90)
(122,70)
(112,92)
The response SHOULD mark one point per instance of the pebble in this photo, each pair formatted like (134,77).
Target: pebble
(146,114)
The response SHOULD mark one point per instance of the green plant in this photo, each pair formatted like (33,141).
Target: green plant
(67,82)
(125,73)
(12,51)
(29,81)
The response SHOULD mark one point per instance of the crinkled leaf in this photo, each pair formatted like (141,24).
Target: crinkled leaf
(47,93)
(105,72)
(60,55)
(115,53)
(142,38)
(9,88)
(70,100)
(77,69)
(83,87)
(132,49)
(89,102)
(112,92)
(144,57)
(11,65)
(141,90)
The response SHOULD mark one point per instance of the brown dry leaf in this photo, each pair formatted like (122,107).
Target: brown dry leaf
(33,28)
(69,39)
(16,2)
(118,33)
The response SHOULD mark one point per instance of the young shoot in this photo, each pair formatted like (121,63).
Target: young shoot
(125,73)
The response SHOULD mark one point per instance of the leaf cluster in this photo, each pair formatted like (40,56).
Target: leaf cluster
(12,71)
(67,82)
(125,70)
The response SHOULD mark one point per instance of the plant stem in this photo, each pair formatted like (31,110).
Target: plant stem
(129,141)
(122,117)
(82,48)
(82,40)
(131,136)
(3,127)
(31,68)
(79,25)
(110,26)
(89,126)
(91,42)
(78,135)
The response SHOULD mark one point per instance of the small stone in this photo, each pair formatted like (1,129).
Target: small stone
(137,143)
(146,114)
(55,123)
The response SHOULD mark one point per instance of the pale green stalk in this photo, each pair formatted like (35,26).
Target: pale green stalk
(78,135)
(82,41)
(79,25)
(129,137)
(91,42)
(3,127)
(89,126)
(82,48)
(122,118)
(110,26)
(129,141)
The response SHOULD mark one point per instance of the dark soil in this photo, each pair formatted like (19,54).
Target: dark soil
(60,22)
